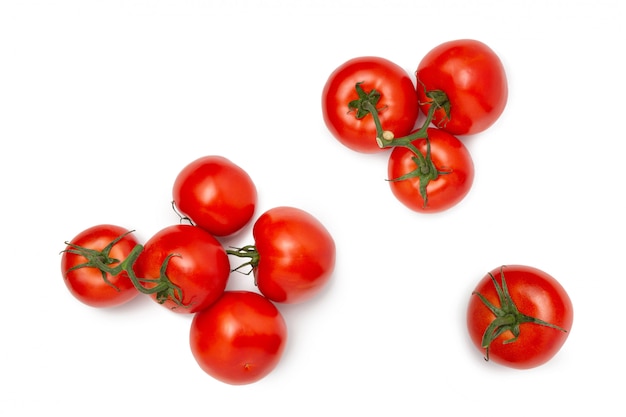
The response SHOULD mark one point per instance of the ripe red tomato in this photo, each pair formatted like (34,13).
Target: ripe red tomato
(472,76)
(529,319)
(293,257)
(449,156)
(199,267)
(239,339)
(88,283)
(396,103)
(216,194)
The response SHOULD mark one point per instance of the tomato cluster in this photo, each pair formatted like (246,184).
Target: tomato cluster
(238,337)
(371,104)
(517,316)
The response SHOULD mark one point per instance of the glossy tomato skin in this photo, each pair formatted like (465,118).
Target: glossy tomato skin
(239,339)
(200,268)
(473,78)
(87,284)
(536,294)
(449,155)
(216,194)
(296,255)
(398,102)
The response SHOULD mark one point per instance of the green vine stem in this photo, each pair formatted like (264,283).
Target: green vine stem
(508,317)
(426,170)
(102,260)
(248,251)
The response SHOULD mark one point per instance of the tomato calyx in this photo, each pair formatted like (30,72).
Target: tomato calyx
(96,259)
(439,100)
(425,171)
(362,105)
(508,317)
(162,286)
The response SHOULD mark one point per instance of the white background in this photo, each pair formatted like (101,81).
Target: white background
(103,102)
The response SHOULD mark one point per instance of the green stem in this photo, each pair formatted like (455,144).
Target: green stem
(426,170)
(508,317)
(127,266)
(161,286)
(387,140)
(248,251)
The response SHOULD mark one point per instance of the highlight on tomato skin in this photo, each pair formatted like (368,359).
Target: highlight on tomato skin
(87,284)
(240,339)
(199,267)
(297,255)
(472,76)
(215,194)
(449,157)
(293,255)
(385,84)
(519,316)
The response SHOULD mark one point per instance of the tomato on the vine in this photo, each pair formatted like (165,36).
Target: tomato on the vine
(239,339)
(293,256)
(434,186)
(472,77)
(192,259)
(110,245)
(374,80)
(519,316)
(215,194)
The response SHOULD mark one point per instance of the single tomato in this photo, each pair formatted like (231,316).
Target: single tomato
(385,85)
(472,77)
(239,339)
(293,256)
(519,316)
(215,194)
(446,179)
(107,245)
(194,261)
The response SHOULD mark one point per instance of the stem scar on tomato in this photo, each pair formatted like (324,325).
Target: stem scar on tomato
(508,317)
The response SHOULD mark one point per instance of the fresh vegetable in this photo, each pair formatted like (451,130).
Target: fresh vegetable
(374,80)
(239,339)
(434,175)
(215,194)
(293,256)
(474,82)
(107,245)
(519,316)
(193,260)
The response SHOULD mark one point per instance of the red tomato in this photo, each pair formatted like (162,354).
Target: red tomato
(450,158)
(199,267)
(396,103)
(88,283)
(239,339)
(529,320)
(293,257)
(215,194)
(473,78)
